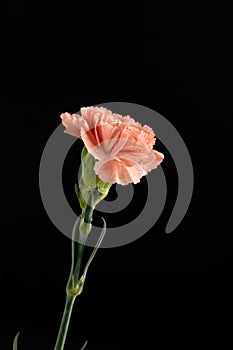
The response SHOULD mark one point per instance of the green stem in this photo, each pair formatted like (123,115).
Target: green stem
(65,322)
(73,247)
(81,246)
(75,283)
(72,289)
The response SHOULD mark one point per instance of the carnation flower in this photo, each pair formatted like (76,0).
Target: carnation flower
(122,148)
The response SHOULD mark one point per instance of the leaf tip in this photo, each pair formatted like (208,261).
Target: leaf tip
(15,343)
(104,222)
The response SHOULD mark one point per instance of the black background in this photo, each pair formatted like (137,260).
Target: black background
(161,290)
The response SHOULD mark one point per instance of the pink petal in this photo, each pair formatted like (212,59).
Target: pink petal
(72,123)
(122,172)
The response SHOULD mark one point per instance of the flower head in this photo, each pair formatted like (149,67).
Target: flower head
(122,148)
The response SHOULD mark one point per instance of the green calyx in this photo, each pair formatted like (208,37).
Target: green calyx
(90,192)
(91,189)
(89,177)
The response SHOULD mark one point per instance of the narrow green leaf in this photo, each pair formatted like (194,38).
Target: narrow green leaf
(84,345)
(82,202)
(15,347)
(94,252)
(70,283)
(74,233)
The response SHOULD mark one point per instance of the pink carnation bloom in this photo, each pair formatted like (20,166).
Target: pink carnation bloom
(123,148)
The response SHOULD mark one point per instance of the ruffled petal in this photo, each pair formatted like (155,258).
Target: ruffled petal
(73,124)
(123,148)
(121,172)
